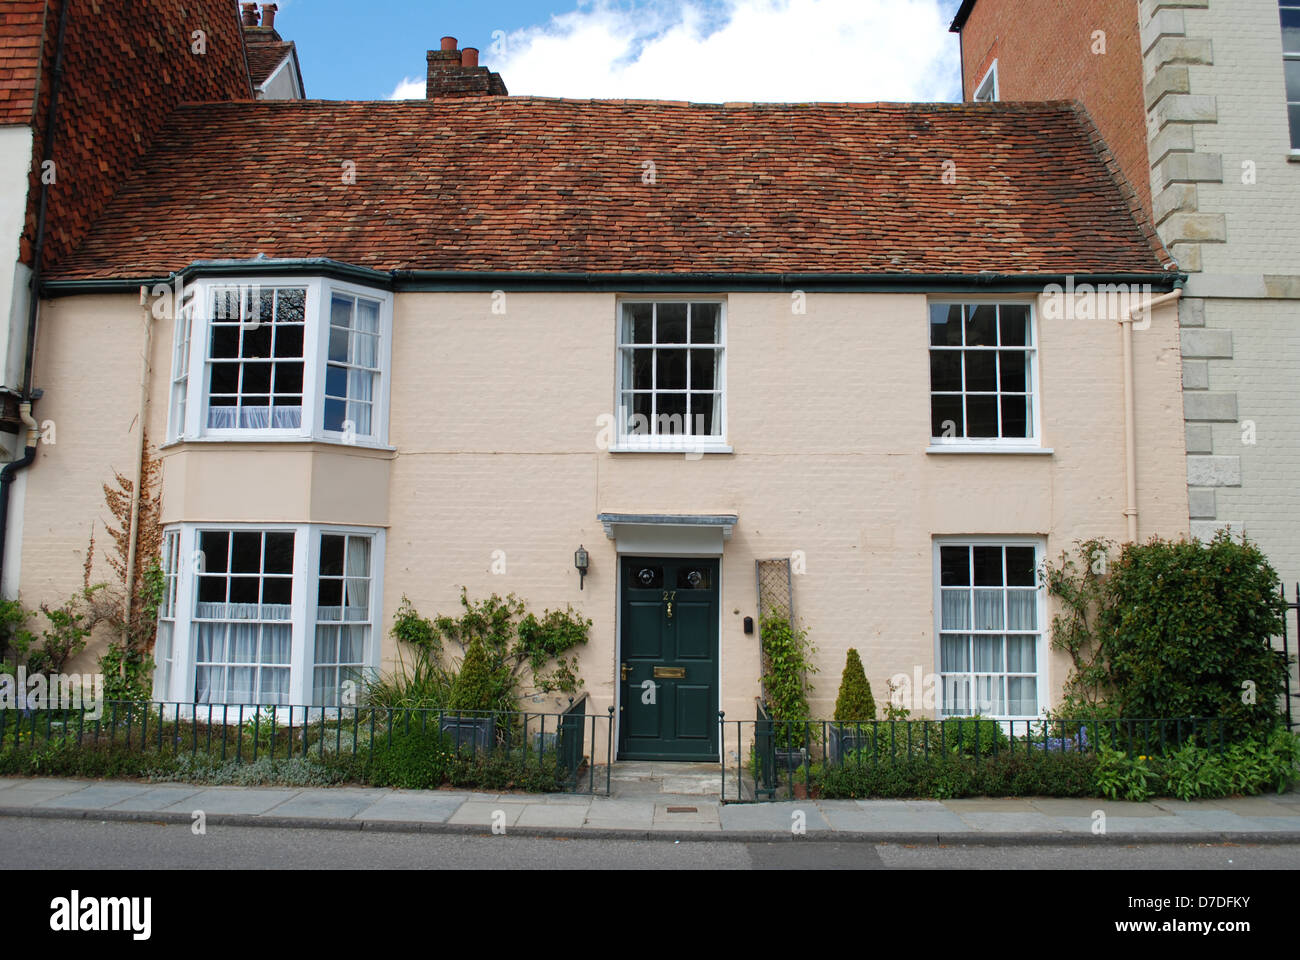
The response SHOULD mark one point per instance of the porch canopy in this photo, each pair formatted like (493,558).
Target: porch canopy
(668,534)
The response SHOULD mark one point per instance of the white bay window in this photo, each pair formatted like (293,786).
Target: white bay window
(269,615)
(281,358)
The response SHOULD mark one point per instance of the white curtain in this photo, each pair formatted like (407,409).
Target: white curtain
(1022,609)
(954,653)
(956,609)
(237,633)
(255,418)
(988,609)
(988,654)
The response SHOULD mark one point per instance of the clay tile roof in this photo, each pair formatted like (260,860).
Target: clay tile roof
(263,58)
(533,184)
(21,23)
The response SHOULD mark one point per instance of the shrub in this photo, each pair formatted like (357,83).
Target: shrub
(1173,629)
(482,682)
(943,776)
(854,704)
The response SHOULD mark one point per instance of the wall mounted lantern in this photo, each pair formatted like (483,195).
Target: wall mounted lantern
(580,560)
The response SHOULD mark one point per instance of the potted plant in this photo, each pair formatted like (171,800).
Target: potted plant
(468,720)
(853,706)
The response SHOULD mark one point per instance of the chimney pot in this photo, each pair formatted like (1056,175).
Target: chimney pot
(268,14)
(249,14)
(449,43)
(469,57)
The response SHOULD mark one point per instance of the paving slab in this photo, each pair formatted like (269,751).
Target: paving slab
(30,793)
(621,814)
(333,804)
(244,800)
(892,817)
(989,805)
(413,806)
(1031,822)
(1133,825)
(486,814)
(701,786)
(1062,807)
(1216,820)
(552,815)
(772,817)
(1267,805)
(158,797)
(97,796)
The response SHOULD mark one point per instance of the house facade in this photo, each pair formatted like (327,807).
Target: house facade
(405,349)
(1200,100)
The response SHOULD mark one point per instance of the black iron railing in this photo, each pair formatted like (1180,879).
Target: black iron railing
(769,760)
(573,740)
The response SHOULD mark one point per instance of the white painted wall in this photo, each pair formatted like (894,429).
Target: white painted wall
(15,162)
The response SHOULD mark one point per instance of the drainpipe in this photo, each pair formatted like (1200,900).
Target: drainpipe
(134,534)
(34,299)
(1130,409)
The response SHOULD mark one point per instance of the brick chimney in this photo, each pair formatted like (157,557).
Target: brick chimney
(248,14)
(268,15)
(456,73)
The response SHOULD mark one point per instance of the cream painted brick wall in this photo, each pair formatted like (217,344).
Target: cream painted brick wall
(495,423)
(1247,81)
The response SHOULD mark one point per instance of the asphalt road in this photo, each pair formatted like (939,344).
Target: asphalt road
(27,844)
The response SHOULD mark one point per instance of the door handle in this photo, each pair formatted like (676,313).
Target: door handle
(625,670)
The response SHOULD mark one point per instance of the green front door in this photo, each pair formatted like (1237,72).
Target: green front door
(668,659)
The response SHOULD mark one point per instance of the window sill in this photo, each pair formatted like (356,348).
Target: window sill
(1293,156)
(652,445)
(999,449)
(279,438)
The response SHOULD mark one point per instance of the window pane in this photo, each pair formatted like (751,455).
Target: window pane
(954,563)
(703,407)
(704,322)
(1014,322)
(945,325)
(335,414)
(330,594)
(981,416)
(638,323)
(988,653)
(1292,79)
(1022,610)
(670,323)
(1295,125)
(946,417)
(338,345)
(257,378)
(367,319)
(1020,655)
(279,553)
(703,364)
(956,609)
(1291,30)
(288,341)
(671,369)
(1022,696)
(331,555)
(1015,417)
(988,566)
(981,371)
(981,326)
(246,553)
(1013,371)
(988,696)
(954,652)
(225,341)
(670,414)
(214,550)
(945,371)
(1021,567)
(988,610)
(639,372)
(290,305)
(956,696)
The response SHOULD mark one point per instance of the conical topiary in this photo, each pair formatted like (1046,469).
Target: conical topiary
(854,703)
(476,686)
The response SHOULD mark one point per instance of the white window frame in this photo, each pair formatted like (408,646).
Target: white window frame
(315,361)
(670,443)
(1030,444)
(171,564)
(1289,56)
(1040,647)
(986,91)
(306,567)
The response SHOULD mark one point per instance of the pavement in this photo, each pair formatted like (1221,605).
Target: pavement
(645,806)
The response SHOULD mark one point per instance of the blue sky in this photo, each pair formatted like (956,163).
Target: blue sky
(702,50)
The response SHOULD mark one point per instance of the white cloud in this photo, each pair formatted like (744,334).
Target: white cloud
(759,50)
(411,88)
